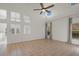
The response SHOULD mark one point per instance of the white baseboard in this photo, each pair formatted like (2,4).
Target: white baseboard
(22,41)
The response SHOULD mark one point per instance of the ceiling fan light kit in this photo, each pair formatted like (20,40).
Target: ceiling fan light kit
(49,13)
(43,10)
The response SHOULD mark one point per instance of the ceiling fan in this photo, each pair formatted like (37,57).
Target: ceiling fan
(44,9)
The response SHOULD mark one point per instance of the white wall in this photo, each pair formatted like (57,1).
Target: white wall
(60,29)
(60,24)
(75,20)
(37,22)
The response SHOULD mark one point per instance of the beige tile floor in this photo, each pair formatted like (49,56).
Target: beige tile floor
(42,47)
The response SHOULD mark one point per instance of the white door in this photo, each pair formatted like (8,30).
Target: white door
(3,37)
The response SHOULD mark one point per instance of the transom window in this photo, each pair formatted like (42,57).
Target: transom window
(15,16)
(26,19)
(3,14)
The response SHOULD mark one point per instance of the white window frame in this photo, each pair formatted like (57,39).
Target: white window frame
(15,16)
(3,14)
(27,19)
(27,29)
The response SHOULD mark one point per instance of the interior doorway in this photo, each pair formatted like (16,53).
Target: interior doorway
(48,30)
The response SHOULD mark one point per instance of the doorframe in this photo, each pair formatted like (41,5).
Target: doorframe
(69,30)
(46,32)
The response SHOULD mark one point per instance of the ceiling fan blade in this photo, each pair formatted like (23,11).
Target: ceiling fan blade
(41,12)
(47,11)
(49,6)
(42,6)
(36,9)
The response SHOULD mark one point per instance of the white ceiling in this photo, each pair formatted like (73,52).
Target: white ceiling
(64,9)
(59,10)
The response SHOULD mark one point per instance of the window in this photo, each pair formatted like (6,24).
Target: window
(15,16)
(15,28)
(26,19)
(3,27)
(13,31)
(18,29)
(3,14)
(27,29)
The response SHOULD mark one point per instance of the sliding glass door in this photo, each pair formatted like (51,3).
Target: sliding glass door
(75,30)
